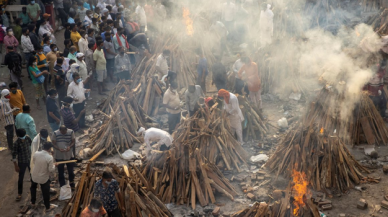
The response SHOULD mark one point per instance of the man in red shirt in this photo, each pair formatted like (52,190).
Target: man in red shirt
(250,73)
(95,209)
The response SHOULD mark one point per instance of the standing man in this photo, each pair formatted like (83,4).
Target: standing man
(89,59)
(33,36)
(123,65)
(110,56)
(266,24)
(60,78)
(238,84)
(228,14)
(77,91)
(172,102)
(7,117)
(250,73)
(44,165)
(17,100)
(58,4)
(33,11)
(27,45)
(14,62)
(141,15)
(52,108)
(193,94)
(37,144)
(119,40)
(100,66)
(68,117)
(105,189)
(64,145)
(74,35)
(83,71)
(52,59)
(21,150)
(26,122)
(219,74)
(232,108)
(161,63)
(202,70)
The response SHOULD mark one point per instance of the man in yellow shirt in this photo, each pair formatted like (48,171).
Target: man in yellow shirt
(74,36)
(17,99)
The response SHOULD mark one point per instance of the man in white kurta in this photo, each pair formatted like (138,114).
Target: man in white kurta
(155,135)
(266,25)
(232,108)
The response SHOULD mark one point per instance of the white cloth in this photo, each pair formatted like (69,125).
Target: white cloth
(46,29)
(237,66)
(235,116)
(76,91)
(27,44)
(161,62)
(172,99)
(83,70)
(83,45)
(142,15)
(44,165)
(228,11)
(155,134)
(87,21)
(35,146)
(266,26)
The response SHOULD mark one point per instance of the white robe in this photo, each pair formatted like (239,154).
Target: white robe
(156,135)
(235,116)
(266,26)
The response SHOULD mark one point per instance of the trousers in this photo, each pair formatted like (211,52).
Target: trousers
(61,173)
(62,15)
(235,125)
(77,110)
(23,167)
(255,98)
(45,192)
(10,132)
(173,120)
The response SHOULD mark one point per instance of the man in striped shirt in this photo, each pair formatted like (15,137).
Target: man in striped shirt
(6,114)
(68,117)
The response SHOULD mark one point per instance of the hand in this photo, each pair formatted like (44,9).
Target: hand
(56,164)
(87,90)
(58,121)
(17,169)
(76,99)
(68,148)
(83,111)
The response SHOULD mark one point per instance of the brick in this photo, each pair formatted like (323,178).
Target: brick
(251,196)
(384,204)
(324,202)
(317,200)
(216,211)
(362,204)
(259,178)
(327,207)
(342,215)
(249,189)
(243,184)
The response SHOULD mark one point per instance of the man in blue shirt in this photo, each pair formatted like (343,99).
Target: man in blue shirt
(106,189)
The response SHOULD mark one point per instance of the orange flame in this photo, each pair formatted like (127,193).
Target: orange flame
(322,130)
(188,21)
(299,190)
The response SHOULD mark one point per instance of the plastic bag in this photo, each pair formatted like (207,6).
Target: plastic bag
(65,192)
(130,155)
(260,157)
(283,123)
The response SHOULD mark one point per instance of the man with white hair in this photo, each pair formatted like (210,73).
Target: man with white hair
(6,114)
(162,138)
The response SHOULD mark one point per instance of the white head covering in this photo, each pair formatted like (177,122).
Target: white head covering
(141,130)
(74,67)
(4,93)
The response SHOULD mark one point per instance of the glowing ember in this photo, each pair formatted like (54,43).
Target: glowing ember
(188,21)
(299,190)
(322,130)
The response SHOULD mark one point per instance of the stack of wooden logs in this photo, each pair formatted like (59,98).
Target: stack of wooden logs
(188,172)
(124,116)
(138,195)
(256,125)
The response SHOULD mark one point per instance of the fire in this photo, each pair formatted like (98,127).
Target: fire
(188,21)
(299,190)
(322,130)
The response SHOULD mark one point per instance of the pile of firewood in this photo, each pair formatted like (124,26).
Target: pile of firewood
(138,196)
(123,117)
(256,125)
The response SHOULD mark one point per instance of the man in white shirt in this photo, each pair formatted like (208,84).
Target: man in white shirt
(40,174)
(228,14)
(161,137)
(27,45)
(172,102)
(83,71)
(161,63)
(77,91)
(142,18)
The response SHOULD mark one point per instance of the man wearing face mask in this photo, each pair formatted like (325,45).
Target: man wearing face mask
(52,108)
(25,121)
(17,99)
(14,62)
(95,209)
(64,149)
(37,144)
(21,157)
(10,40)
(74,35)
(52,58)
(172,102)
(7,117)
(33,11)
(83,71)
(24,16)
(123,65)
(106,189)
(119,40)
(69,119)
(77,91)
(72,53)
(100,66)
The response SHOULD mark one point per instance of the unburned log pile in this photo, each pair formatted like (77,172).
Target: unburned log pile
(188,172)
(138,196)
(124,116)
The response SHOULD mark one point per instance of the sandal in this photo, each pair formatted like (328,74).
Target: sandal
(19,197)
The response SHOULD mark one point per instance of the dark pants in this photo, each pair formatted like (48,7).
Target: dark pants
(110,66)
(10,131)
(45,191)
(62,15)
(239,85)
(61,173)
(173,120)
(22,167)
(24,2)
(77,110)
(220,85)
(381,104)
(124,75)
(202,83)
(62,92)
(114,213)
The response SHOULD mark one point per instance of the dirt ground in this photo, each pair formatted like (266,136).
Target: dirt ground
(273,108)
